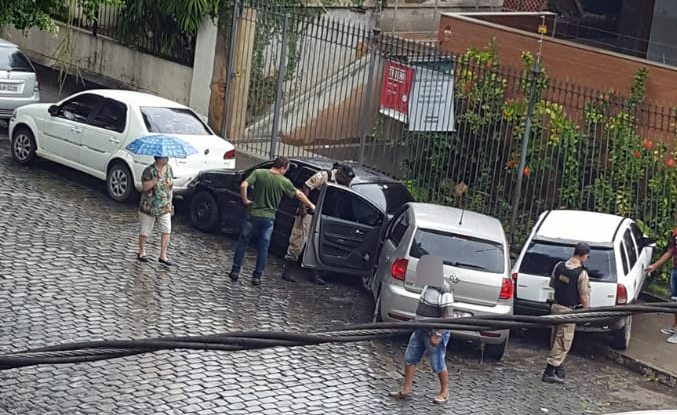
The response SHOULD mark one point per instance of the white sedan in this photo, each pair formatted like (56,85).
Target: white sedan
(89,131)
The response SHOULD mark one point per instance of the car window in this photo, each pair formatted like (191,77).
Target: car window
(638,234)
(459,250)
(11,59)
(541,257)
(111,116)
(165,120)
(624,259)
(630,248)
(388,196)
(399,227)
(79,108)
(342,204)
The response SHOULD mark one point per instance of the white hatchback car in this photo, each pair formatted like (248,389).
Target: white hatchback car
(476,265)
(619,255)
(89,131)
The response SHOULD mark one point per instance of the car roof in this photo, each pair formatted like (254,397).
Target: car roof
(362,175)
(135,98)
(579,225)
(448,219)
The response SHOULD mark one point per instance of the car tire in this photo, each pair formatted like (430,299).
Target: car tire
(23,146)
(119,182)
(204,211)
(620,339)
(495,352)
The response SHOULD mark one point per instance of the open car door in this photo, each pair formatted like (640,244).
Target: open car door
(344,233)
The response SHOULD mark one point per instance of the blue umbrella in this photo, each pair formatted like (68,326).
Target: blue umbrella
(161,146)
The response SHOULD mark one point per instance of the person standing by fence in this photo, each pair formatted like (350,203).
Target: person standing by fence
(269,185)
(672,246)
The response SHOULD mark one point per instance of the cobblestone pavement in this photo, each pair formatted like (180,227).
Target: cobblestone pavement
(68,273)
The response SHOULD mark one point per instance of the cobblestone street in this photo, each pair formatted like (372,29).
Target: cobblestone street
(68,272)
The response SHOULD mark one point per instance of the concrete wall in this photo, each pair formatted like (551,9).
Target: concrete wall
(103,60)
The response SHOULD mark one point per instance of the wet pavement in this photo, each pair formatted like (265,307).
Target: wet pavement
(68,273)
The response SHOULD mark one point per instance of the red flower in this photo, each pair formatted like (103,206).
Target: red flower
(527,171)
(637,154)
(671,163)
(511,164)
(647,144)
(468,88)
(488,65)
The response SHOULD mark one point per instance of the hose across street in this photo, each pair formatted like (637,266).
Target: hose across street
(248,340)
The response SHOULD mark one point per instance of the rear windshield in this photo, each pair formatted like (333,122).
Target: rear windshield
(541,257)
(459,250)
(388,196)
(173,121)
(11,59)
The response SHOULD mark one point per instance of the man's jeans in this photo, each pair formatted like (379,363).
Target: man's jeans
(257,229)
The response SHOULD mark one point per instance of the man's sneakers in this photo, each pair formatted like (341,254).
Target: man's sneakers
(256,280)
(672,332)
(234,276)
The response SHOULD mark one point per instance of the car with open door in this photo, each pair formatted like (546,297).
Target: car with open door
(215,204)
(619,255)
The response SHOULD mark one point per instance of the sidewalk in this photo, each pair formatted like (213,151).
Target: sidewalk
(649,353)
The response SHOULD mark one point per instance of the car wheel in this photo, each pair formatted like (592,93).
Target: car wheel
(495,351)
(204,212)
(621,338)
(119,182)
(23,146)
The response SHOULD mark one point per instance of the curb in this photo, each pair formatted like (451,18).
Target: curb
(636,365)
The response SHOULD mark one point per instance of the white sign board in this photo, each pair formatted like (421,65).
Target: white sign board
(431,107)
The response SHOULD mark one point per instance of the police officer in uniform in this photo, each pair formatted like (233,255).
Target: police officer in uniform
(342,174)
(572,291)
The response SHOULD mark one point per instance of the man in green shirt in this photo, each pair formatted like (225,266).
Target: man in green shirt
(269,185)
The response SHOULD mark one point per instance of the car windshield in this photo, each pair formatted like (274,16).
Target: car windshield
(541,257)
(459,250)
(388,196)
(11,59)
(165,120)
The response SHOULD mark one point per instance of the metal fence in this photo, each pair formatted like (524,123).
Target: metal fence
(147,33)
(521,143)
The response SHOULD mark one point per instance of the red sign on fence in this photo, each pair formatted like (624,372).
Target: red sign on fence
(396,90)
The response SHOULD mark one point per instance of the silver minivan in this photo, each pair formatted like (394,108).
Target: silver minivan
(476,265)
(18,80)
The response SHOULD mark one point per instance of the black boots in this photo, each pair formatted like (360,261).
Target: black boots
(286,271)
(560,372)
(550,375)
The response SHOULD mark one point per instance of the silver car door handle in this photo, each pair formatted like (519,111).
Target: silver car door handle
(114,140)
(359,232)
(76,130)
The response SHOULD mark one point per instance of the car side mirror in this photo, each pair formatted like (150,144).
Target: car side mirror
(53,110)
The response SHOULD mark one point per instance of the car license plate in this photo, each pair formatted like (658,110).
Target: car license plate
(461,314)
(9,87)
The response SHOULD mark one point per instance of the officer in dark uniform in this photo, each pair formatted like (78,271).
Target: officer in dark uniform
(342,174)
(572,291)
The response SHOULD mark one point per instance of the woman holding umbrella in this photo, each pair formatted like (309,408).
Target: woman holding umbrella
(156,205)
(157,181)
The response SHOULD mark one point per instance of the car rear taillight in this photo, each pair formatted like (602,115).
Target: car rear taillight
(229,154)
(507,289)
(399,269)
(621,294)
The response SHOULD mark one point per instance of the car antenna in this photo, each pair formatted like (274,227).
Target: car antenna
(460,190)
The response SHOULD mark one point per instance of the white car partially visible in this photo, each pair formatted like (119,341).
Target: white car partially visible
(89,131)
